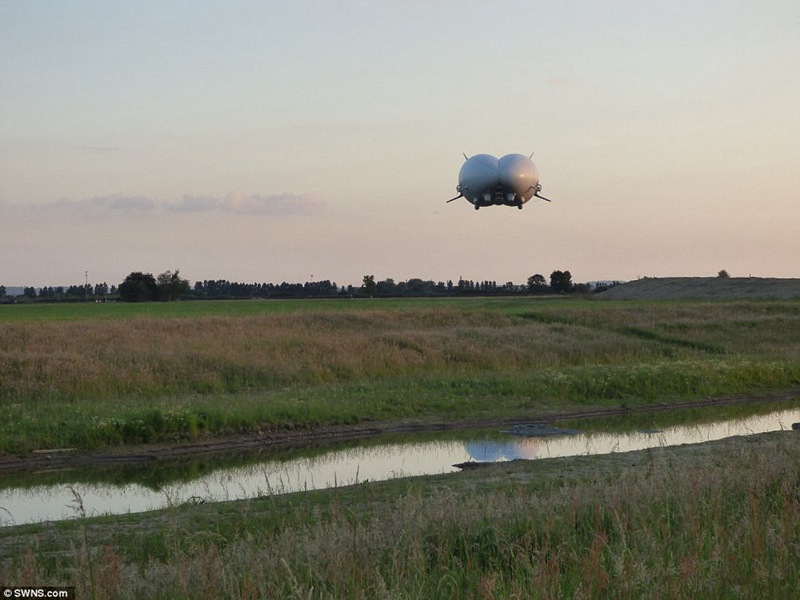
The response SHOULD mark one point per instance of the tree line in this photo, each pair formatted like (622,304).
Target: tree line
(169,286)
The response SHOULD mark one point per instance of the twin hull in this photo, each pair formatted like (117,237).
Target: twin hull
(511,180)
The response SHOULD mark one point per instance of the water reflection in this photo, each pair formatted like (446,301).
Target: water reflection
(34,500)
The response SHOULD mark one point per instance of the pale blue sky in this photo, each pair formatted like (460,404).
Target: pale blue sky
(272,141)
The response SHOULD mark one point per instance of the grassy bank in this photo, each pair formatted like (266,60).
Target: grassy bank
(719,520)
(95,375)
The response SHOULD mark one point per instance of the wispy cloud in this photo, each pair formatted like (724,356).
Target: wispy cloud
(115,204)
(254,204)
(275,205)
(111,205)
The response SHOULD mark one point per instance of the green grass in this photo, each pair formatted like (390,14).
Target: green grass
(93,375)
(75,311)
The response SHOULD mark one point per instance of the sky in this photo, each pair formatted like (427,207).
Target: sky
(270,141)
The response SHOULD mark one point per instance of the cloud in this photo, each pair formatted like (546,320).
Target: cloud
(196,204)
(114,204)
(254,204)
(234,203)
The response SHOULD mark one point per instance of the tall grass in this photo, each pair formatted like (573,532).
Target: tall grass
(718,520)
(90,382)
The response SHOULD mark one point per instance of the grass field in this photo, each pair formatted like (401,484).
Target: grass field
(718,520)
(94,375)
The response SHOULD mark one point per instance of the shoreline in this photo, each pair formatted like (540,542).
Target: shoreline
(66,458)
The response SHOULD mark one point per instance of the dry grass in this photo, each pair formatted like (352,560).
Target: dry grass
(92,382)
(68,360)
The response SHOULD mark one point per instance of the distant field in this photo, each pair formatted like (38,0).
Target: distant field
(63,311)
(93,375)
(72,311)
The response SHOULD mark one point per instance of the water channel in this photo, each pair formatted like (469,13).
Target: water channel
(118,489)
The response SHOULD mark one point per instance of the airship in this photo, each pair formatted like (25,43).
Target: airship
(511,180)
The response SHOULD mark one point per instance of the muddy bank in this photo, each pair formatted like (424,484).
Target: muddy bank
(65,458)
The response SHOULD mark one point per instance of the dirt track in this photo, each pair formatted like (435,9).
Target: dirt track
(64,458)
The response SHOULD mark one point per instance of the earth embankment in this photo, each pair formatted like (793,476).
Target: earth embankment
(699,288)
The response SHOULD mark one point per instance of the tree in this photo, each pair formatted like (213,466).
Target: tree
(76,291)
(536,283)
(369,286)
(561,281)
(723,274)
(386,287)
(171,286)
(318,288)
(138,287)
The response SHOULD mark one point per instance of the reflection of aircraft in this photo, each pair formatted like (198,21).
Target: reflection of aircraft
(511,180)
(493,451)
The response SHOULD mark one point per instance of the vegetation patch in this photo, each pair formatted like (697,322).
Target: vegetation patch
(111,378)
(713,520)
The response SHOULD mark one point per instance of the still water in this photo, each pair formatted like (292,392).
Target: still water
(115,490)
